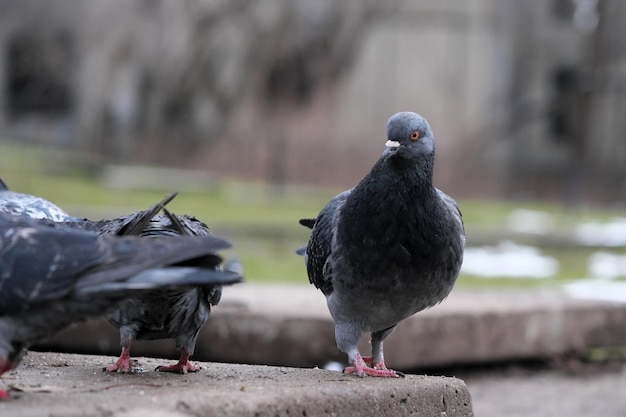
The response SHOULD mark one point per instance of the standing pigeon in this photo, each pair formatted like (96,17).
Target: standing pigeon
(387,248)
(52,276)
(19,204)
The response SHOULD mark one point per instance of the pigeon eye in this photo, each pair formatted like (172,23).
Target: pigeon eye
(415,135)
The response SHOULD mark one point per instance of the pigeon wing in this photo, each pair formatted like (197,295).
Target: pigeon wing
(39,263)
(320,244)
(44,262)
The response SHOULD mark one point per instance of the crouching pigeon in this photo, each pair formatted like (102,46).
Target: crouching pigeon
(52,276)
(387,248)
(162,314)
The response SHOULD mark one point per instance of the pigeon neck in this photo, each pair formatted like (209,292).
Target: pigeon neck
(420,170)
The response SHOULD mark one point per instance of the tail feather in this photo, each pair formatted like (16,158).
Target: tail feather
(176,222)
(301,250)
(129,256)
(310,223)
(160,279)
(137,222)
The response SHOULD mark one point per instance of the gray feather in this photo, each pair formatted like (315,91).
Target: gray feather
(18,204)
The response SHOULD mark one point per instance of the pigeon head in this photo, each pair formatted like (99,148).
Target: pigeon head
(409,136)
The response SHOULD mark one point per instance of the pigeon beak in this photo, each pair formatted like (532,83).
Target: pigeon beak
(392,145)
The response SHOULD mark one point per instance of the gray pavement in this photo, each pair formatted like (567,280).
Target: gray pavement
(52,384)
(548,393)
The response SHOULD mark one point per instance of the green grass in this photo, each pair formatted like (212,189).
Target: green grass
(485,213)
(261,221)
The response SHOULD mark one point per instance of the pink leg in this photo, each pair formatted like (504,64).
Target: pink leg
(5,366)
(368,359)
(379,369)
(182,367)
(122,364)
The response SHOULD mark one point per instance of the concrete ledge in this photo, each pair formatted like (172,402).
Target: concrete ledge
(74,385)
(289,325)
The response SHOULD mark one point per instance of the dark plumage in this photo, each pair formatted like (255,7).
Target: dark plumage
(177,314)
(52,276)
(162,314)
(387,248)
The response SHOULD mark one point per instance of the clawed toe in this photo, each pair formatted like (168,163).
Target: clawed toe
(361,369)
(122,366)
(179,368)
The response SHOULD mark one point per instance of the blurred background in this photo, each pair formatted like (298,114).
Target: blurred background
(260,111)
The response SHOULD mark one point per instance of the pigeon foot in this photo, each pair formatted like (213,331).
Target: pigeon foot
(122,364)
(182,367)
(361,369)
(380,365)
(3,395)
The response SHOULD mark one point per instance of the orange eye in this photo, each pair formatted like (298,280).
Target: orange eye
(415,135)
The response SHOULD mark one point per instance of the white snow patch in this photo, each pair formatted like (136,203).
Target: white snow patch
(334,366)
(508,260)
(593,289)
(611,233)
(607,265)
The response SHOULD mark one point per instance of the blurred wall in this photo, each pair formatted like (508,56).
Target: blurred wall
(525,97)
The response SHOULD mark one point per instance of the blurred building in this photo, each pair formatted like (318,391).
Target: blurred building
(525,97)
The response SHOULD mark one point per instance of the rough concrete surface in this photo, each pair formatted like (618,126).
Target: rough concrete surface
(52,384)
(289,325)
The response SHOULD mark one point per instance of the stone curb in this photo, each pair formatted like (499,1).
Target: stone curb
(289,325)
(74,385)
